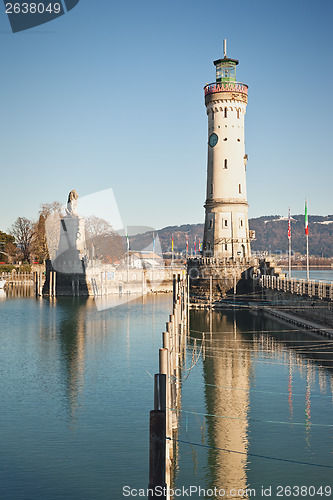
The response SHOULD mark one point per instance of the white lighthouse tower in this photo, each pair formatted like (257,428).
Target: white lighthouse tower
(226,234)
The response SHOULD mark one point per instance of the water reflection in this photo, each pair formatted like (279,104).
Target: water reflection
(221,373)
(73,325)
(18,290)
(265,383)
(72,334)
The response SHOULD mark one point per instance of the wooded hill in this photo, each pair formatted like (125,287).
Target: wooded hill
(271,235)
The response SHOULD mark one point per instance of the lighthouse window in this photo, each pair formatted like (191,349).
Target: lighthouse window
(210,223)
(240,188)
(225,112)
(211,189)
(226,163)
(212,114)
(225,247)
(241,223)
(237,113)
(225,223)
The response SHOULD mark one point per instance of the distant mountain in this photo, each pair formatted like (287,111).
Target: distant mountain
(271,235)
(165,235)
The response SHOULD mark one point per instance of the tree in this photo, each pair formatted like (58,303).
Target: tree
(23,232)
(46,231)
(102,241)
(7,247)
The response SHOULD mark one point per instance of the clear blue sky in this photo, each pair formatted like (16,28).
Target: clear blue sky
(111,96)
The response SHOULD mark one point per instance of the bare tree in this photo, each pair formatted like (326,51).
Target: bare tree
(101,240)
(23,232)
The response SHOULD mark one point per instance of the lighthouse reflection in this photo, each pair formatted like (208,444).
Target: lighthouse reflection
(227,371)
(264,383)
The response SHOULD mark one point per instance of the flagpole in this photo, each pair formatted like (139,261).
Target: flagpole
(289,238)
(172,250)
(127,255)
(307,240)
(153,256)
(289,275)
(307,258)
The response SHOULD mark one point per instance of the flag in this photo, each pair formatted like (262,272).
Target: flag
(289,226)
(127,238)
(172,244)
(306,218)
(153,243)
(195,246)
(186,244)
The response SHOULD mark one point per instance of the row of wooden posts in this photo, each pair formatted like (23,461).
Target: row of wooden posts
(14,277)
(39,280)
(167,385)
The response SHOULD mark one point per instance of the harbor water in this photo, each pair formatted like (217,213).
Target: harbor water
(314,273)
(77,388)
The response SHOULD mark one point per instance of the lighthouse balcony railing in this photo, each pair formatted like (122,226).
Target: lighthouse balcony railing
(213,88)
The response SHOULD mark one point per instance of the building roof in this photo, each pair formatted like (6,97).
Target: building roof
(226,60)
(146,254)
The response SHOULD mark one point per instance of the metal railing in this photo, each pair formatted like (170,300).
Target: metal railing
(312,288)
(213,88)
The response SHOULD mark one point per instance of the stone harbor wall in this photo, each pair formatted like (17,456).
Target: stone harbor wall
(215,279)
(104,279)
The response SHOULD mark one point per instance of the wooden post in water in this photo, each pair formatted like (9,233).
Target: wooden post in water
(51,284)
(36,283)
(164,370)
(172,371)
(157,454)
(164,365)
(157,434)
(160,391)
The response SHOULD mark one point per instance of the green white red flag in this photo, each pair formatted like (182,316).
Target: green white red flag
(306,218)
